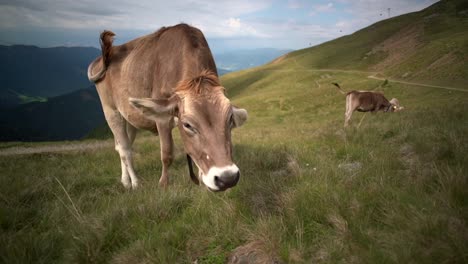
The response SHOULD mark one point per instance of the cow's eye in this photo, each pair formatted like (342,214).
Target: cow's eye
(189,127)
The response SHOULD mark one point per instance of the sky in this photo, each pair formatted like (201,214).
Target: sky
(227,24)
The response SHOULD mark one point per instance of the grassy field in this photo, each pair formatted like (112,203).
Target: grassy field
(393,190)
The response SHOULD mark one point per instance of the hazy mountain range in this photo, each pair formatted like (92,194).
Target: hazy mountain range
(242,59)
(64,117)
(46,72)
(45,93)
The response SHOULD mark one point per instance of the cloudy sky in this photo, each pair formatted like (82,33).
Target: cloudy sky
(227,24)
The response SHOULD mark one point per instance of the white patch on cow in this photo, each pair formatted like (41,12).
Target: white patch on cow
(209,178)
(128,178)
(207,157)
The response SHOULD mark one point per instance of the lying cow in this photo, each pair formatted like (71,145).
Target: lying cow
(152,81)
(365,101)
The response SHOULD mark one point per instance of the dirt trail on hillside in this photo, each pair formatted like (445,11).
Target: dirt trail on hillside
(82,146)
(372,76)
(419,84)
(377,78)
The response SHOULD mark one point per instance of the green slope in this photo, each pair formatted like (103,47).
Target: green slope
(391,191)
(430,45)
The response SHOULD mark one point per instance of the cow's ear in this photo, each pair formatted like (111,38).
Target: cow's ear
(156,109)
(239,116)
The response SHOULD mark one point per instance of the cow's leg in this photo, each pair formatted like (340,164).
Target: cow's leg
(125,178)
(167,148)
(347,118)
(131,133)
(349,110)
(123,146)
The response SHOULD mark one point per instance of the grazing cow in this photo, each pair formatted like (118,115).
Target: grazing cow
(365,101)
(160,81)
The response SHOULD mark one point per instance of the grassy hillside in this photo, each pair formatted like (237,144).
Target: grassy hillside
(430,45)
(392,188)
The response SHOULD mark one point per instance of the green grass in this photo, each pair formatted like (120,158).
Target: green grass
(296,202)
(101,132)
(393,189)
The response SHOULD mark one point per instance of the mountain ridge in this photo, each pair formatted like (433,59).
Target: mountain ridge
(66,117)
(428,45)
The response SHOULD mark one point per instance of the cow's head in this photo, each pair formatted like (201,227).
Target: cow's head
(205,119)
(395,105)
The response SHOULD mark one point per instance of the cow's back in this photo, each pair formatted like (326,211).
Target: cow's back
(152,66)
(368,101)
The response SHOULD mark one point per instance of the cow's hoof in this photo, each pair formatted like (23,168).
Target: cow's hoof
(135,185)
(126,184)
(163,183)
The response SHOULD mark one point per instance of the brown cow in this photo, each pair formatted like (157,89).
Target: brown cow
(155,80)
(365,101)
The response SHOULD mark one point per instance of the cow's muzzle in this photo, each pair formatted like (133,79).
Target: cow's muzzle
(221,178)
(227,180)
(218,178)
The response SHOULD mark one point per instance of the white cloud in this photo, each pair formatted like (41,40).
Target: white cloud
(398,7)
(234,22)
(294,4)
(229,28)
(322,9)
(243,22)
(366,12)
(130,15)
(349,26)
(295,34)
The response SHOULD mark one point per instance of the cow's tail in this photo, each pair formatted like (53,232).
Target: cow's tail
(339,88)
(100,64)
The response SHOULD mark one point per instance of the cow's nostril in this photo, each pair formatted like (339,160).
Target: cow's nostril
(219,182)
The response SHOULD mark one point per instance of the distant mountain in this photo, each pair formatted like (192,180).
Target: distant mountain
(45,72)
(42,96)
(9,98)
(66,117)
(243,59)
(222,71)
